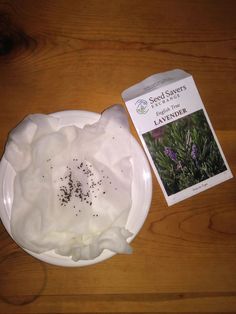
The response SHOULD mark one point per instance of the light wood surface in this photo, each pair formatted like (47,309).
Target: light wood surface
(59,55)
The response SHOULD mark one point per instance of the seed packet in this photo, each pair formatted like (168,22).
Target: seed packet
(176,134)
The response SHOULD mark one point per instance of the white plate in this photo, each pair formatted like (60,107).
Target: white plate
(141,191)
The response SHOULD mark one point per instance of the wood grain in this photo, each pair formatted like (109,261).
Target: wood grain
(59,55)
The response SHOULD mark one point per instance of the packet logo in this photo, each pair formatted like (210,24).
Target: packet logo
(142,106)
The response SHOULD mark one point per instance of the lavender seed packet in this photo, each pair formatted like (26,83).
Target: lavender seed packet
(176,134)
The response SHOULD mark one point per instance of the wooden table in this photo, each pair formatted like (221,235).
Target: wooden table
(59,55)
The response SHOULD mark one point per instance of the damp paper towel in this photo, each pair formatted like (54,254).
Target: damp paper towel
(72,188)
